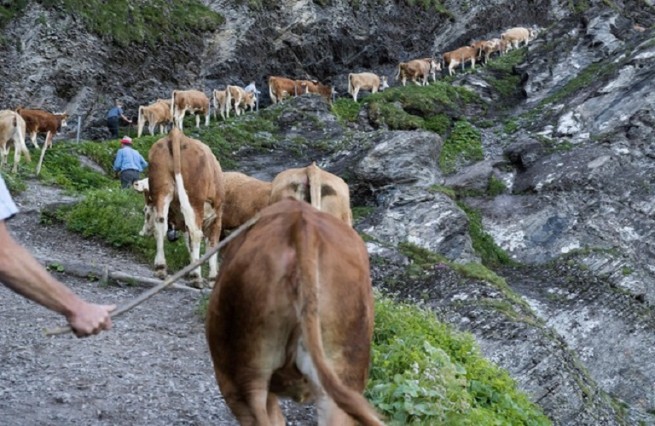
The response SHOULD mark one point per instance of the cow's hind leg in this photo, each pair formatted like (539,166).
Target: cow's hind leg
(161,226)
(197,121)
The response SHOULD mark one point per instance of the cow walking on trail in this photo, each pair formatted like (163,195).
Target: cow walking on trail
(323,190)
(156,114)
(185,179)
(194,101)
(291,315)
(12,129)
(367,81)
(40,121)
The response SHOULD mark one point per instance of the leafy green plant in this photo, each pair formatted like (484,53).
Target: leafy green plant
(346,109)
(496,186)
(425,373)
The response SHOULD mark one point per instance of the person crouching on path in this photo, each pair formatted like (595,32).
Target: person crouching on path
(129,163)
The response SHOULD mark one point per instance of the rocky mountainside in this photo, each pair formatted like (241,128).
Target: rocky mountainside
(568,146)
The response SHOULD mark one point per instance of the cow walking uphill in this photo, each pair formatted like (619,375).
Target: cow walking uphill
(366,81)
(323,190)
(184,177)
(194,101)
(12,129)
(40,121)
(156,114)
(291,315)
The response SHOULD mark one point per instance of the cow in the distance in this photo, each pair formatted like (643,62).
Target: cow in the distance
(185,180)
(239,100)
(417,69)
(221,100)
(517,35)
(291,315)
(156,114)
(311,86)
(367,81)
(460,57)
(323,190)
(40,121)
(194,101)
(280,88)
(12,129)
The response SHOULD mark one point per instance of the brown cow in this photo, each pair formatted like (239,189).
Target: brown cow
(40,121)
(323,190)
(291,315)
(280,88)
(517,35)
(240,99)
(221,100)
(12,129)
(185,177)
(459,57)
(417,68)
(317,88)
(366,81)
(155,114)
(193,101)
(244,197)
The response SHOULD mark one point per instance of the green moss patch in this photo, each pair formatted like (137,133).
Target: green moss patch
(463,146)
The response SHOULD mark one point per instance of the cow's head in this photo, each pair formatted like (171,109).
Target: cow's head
(383,83)
(249,100)
(148,209)
(62,116)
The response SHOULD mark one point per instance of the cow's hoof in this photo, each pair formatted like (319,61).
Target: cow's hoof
(198,283)
(160,272)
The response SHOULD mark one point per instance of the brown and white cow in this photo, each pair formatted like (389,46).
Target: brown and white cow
(40,121)
(185,179)
(244,197)
(194,101)
(156,114)
(323,190)
(460,57)
(12,129)
(317,88)
(221,100)
(517,35)
(240,99)
(291,315)
(367,81)
(417,69)
(280,88)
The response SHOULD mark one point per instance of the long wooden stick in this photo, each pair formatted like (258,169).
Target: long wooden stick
(148,294)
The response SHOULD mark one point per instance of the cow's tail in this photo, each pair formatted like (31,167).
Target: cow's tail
(140,122)
(397,76)
(270,90)
(173,108)
(215,103)
(176,150)
(307,248)
(351,89)
(314,180)
(19,145)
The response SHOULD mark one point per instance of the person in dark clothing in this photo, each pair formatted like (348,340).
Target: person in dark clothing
(129,163)
(113,118)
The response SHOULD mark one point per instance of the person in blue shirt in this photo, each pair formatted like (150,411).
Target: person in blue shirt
(22,273)
(113,116)
(129,163)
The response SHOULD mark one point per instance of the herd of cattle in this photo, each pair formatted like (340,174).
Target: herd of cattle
(297,282)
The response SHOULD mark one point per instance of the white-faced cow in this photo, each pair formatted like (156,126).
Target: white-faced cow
(517,35)
(194,101)
(185,178)
(291,315)
(12,129)
(156,114)
(323,190)
(40,121)
(222,101)
(240,99)
(367,81)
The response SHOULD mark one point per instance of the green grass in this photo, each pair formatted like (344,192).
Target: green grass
(424,373)
(346,110)
(463,146)
(149,22)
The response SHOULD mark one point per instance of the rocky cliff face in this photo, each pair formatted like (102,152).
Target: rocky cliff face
(574,322)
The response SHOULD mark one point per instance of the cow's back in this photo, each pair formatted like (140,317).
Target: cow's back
(250,336)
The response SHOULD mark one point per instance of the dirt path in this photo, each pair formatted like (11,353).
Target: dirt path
(153,368)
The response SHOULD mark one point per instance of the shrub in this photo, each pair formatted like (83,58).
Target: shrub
(464,145)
